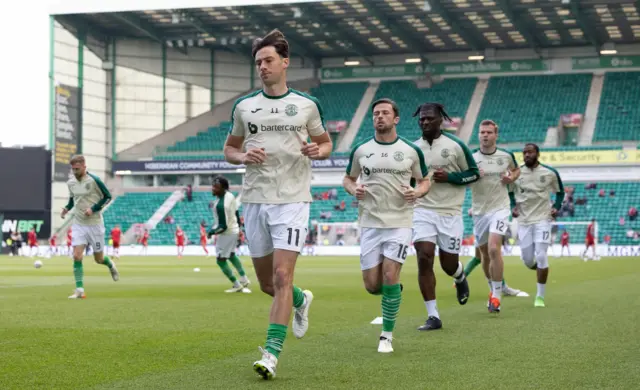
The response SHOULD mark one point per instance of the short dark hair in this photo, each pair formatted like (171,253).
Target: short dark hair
(276,39)
(489,122)
(222,181)
(534,146)
(396,110)
(436,106)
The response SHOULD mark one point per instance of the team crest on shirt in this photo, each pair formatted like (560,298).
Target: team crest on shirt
(398,156)
(542,179)
(500,162)
(444,153)
(291,110)
(87,186)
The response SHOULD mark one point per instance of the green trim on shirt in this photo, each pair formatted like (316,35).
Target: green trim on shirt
(106,195)
(472,173)
(238,101)
(222,216)
(353,153)
(560,194)
(313,99)
(423,164)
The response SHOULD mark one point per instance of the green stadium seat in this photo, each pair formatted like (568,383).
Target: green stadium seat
(525,106)
(619,113)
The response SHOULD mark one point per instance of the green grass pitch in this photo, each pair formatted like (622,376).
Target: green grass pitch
(164,326)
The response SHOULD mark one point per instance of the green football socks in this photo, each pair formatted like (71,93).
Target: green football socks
(276,333)
(471,265)
(226,270)
(235,260)
(107,262)
(391,297)
(298,297)
(78,274)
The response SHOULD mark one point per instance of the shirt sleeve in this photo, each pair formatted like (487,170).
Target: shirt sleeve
(104,192)
(353,168)
(419,167)
(70,203)
(513,164)
(558,187)
(469,171)
(315,125)
(237,126)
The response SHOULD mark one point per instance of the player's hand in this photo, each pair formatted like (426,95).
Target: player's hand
(360,191)
(63,213)
(481,172)
(440,176)
(88,213)
(254,156)
(311,150)
(554,212)
(506,178)
(409,194)
(515,213)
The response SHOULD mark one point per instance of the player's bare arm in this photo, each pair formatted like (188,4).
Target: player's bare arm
(233,152)
(412,194)
(320,147)
(352,187)
(513,175)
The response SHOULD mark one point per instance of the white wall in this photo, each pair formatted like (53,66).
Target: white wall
(95,143)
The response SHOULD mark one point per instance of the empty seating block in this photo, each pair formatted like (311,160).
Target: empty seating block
(132,208)
(619,111)
(455,94)
(526,106)
(210,140)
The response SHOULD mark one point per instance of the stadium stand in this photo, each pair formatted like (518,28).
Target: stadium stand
(618,114)
(132,208)
(455,94)
(525,106)
(210,140)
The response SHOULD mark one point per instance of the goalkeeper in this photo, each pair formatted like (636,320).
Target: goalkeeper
(227,228)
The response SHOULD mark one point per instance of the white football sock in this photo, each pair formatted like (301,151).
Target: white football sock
(541,288)
(432,308)
(496,289)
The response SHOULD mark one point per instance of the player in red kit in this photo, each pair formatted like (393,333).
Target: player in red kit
(203,238)
(144,241)
(180,241)
(32,241)
(590,241)
(116,235)
(52,245)
(564,242)
(69,252)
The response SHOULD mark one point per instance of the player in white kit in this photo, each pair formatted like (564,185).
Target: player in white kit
(437,217)
(386,165)
(532,208)
(490,205)
(227,228)
(88,196)
(276,132)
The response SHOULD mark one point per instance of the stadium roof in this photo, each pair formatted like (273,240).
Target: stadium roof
(364,28)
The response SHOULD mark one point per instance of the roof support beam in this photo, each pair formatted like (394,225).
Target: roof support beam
(584,25)
(335,30)
(521,25)
(296,47)
(144,27)
(412,42)
(455,26)
(204,29)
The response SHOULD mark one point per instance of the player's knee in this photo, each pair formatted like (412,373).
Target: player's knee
(425,261)
(542,260)
(282,278)
(528,257)
(494,251)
